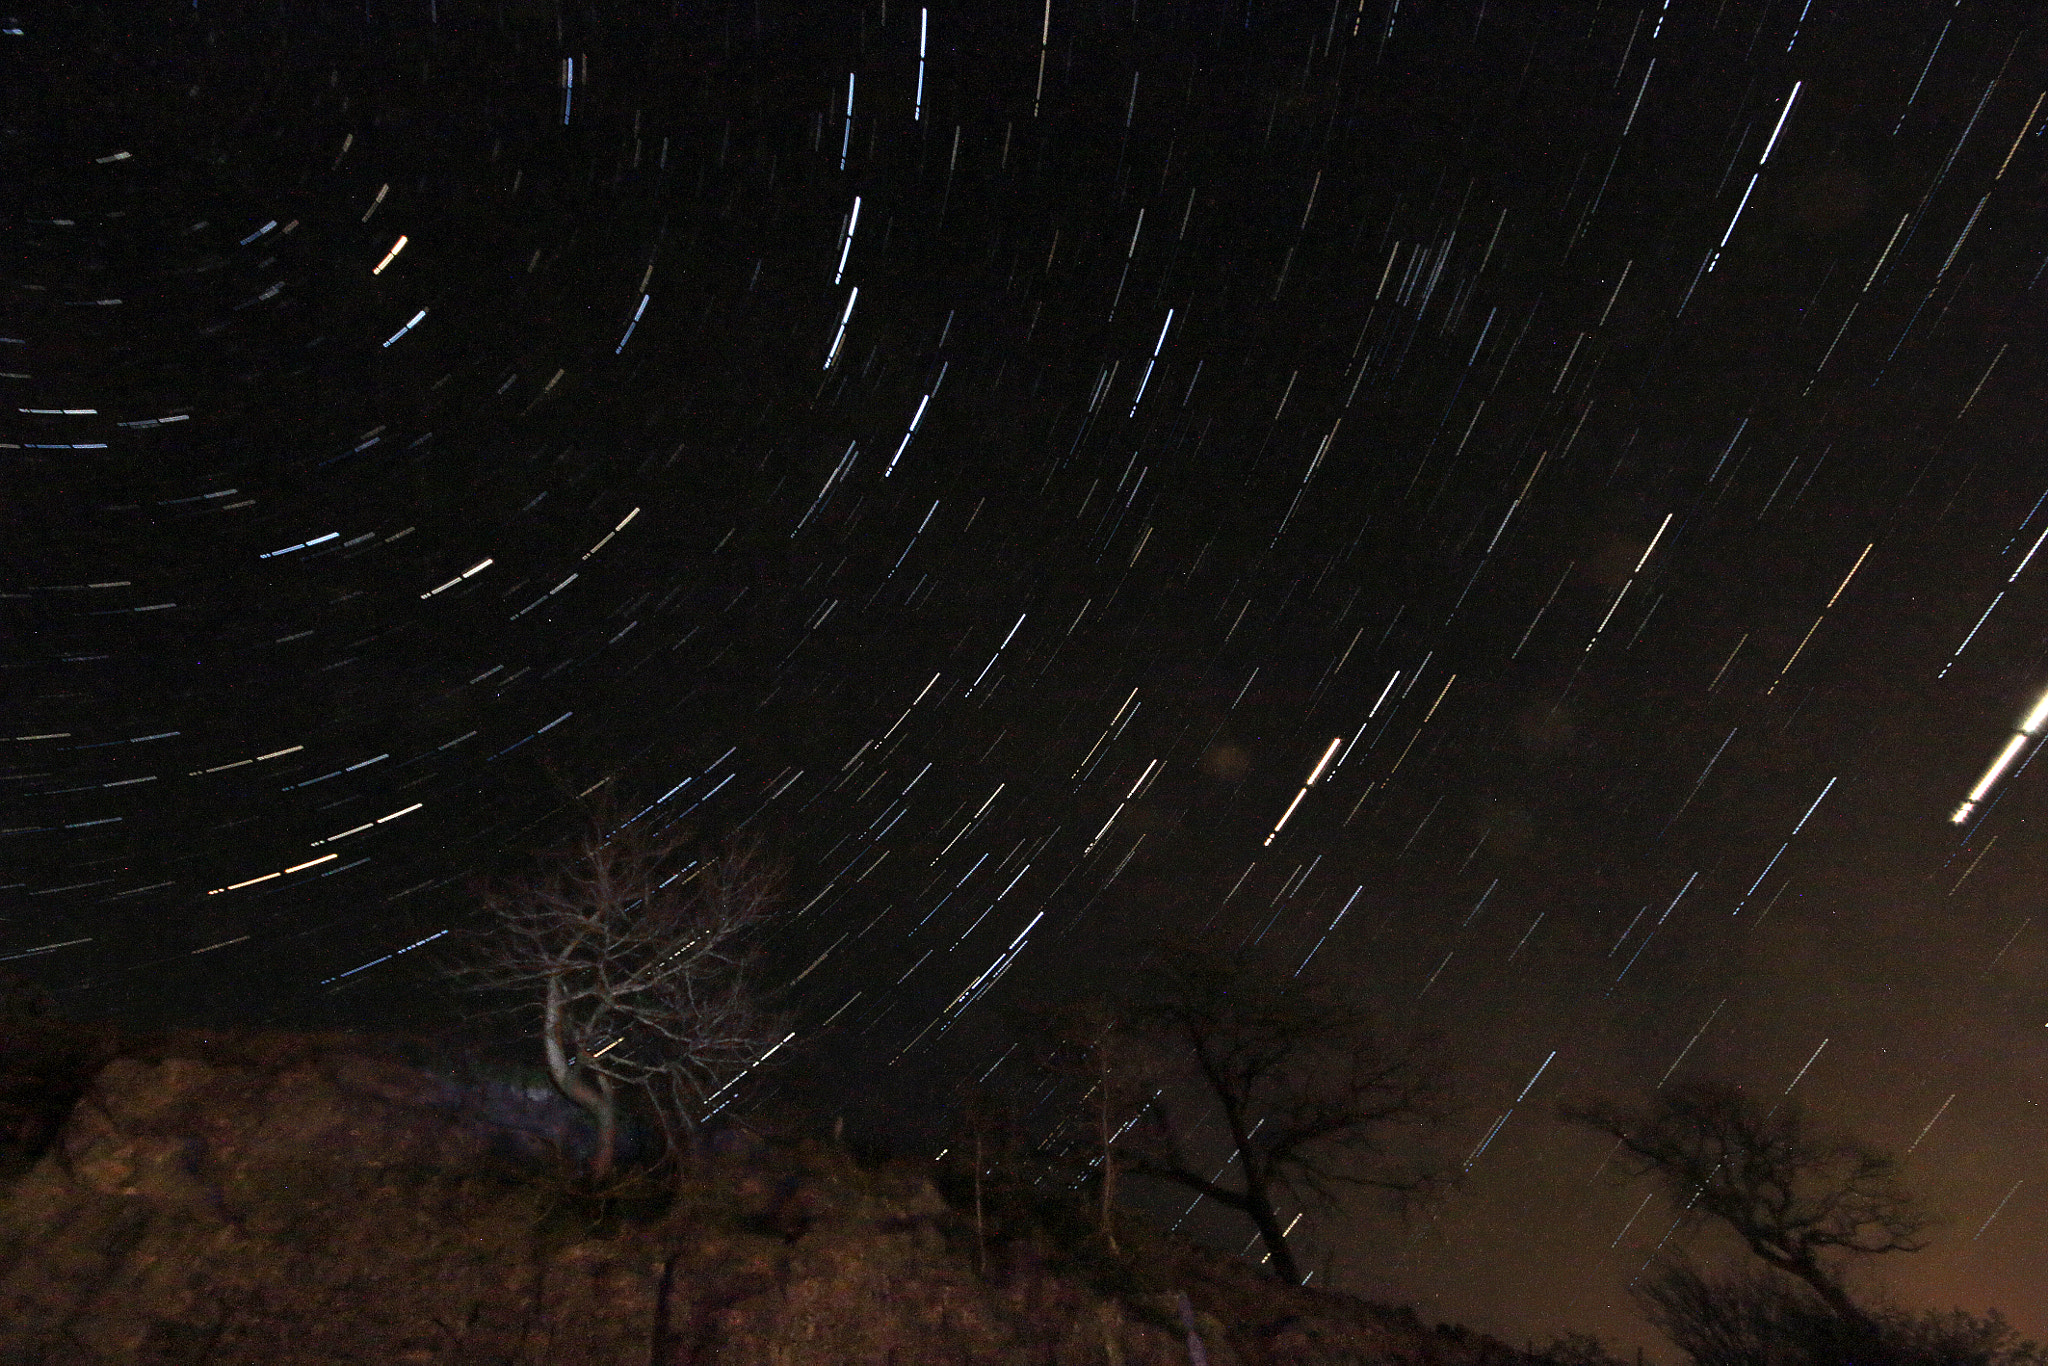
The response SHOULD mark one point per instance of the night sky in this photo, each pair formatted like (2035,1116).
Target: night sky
(995,453)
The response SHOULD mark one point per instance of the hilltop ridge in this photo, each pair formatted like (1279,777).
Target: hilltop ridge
(299,1198)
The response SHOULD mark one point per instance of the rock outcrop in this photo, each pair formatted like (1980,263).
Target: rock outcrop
(299,1200)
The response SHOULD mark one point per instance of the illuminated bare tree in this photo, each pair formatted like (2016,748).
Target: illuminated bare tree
(637,959)
(1309,1100)
(1802,1204)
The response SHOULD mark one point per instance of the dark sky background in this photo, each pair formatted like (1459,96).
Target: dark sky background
(1637,476)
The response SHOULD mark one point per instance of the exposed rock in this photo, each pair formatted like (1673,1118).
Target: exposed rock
(299,1200)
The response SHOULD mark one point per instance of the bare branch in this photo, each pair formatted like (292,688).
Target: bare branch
(1307,1098)
(1795,1199)
(635,950)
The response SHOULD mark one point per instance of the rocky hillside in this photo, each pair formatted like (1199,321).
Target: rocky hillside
(295,1199)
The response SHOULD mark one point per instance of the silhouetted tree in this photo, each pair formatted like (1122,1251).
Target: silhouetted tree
(1308,1099)
(1578,1349)
(1753,1317)
(1955,1337)
(1760,1317)
(636,957)
(1802,1203)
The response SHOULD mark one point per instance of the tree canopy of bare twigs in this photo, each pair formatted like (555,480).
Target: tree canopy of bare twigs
(1802,1203)
(635,956)
(1308,1101)
(1751,1317)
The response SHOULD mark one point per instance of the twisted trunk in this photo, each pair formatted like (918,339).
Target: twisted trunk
(1862,1329)
(1802,1264)
(597,1100)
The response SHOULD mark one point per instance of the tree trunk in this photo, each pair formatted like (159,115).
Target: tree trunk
(1108,1136)
(1258,1196)
(693,1132)
(607,1130)
(1258,1203)
(1861,1328)
(597,1102)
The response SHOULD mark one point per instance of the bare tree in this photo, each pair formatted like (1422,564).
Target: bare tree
(1956,1337)
(636,956)
(1801,1203)
(1091,1047)
(1577,1349)
(1309,1101)
(987,1132)
(1759,1317)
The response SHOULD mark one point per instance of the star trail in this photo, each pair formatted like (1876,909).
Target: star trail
(1523,508)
